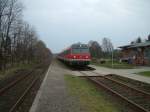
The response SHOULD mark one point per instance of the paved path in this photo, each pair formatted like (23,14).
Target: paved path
(53,96)
(130,73)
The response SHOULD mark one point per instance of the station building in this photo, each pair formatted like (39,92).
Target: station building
(136,53)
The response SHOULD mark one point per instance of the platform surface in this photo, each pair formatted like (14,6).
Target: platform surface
(52,95)
(130,73)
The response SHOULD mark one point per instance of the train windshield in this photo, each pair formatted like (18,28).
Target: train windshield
(80,50)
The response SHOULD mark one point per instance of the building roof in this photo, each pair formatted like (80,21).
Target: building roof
(137,45)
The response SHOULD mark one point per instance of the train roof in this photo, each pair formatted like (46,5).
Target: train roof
(79,45)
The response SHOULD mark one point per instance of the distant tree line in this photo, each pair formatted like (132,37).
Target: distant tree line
(104,50)
(19,41)
(95,49)
(139,40)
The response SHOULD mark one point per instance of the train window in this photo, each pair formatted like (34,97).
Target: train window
(80,50)
(68,52)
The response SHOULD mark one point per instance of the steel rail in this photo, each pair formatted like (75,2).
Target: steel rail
(125,85)
(13,83)
(20,100)
(136,106)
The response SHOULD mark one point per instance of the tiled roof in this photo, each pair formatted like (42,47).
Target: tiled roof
(143,44)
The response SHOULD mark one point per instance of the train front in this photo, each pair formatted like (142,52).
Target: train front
(80,55)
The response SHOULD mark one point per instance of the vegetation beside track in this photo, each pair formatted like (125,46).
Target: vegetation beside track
(15,69)
(19,41)
(116,65)
(146,73)
(91,99)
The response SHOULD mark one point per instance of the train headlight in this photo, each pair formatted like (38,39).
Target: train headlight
(86,57)
(74,57)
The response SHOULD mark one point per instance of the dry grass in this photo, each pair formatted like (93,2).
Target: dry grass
(91,99)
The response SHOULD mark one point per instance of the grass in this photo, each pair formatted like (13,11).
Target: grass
(90,99)
(116,65)
(15,68)
(146,73)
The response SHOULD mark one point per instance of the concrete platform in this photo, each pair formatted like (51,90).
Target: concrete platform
(52,95)
(130,73)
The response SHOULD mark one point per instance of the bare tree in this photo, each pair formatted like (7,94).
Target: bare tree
(95,49)
(17,38)
(107,45)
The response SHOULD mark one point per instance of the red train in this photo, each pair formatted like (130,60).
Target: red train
(77,54)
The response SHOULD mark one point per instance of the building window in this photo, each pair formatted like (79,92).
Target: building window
(147,53)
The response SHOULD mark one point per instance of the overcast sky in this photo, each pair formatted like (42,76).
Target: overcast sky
(60,23)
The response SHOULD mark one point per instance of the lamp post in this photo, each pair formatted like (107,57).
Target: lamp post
(112,58)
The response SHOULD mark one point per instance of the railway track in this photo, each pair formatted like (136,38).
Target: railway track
(126,85)
(20,100)
(13,83)
(12,95)
(137,99)
(133,83)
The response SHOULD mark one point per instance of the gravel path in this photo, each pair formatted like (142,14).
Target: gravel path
(53,96)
